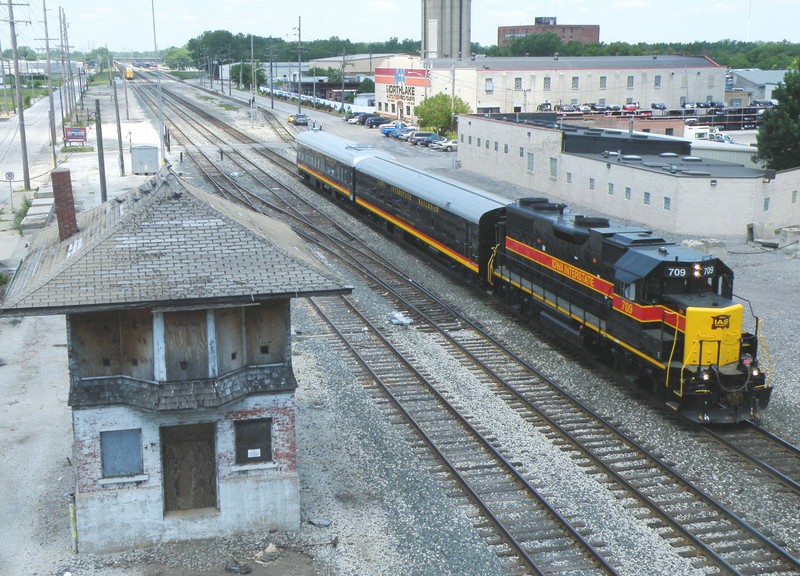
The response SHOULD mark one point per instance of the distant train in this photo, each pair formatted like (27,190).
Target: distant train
(129,72)
(663,315)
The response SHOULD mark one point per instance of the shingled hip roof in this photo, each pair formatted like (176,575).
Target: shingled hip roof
(165,243)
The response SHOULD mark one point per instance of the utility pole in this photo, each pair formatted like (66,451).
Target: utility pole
(125,88)
(61,25)
(26,174)
(119,132)
(3,79)
(252,82)
(98,124)
(50,88)
(343,65)
(299,68)
(69,68)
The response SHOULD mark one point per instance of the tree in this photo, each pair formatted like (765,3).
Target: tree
(541,44)
(177,58)
(246,72)
(367,86)
(439,111)
(778,137)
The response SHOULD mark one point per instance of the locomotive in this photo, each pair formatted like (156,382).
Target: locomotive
(663,315)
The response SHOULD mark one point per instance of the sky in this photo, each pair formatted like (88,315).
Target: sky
(128,25)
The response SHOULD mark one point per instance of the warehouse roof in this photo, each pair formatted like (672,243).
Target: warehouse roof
(578,62)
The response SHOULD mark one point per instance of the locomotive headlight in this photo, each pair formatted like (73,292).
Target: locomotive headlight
(706,376)
(755,371)
(698,272)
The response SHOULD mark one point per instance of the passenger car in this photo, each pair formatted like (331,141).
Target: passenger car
(446,145)
(658,106)
(300,120)
(363,119)
(419,136)
(375,121)
(403,133)
(431,140)
(357,116)
(392,125)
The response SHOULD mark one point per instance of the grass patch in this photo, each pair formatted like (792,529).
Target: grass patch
(227,106)
(21,212)
(186,75)
(71,149)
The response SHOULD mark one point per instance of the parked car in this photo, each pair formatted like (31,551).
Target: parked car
(363,119)
(431,139)
(392,125)
(446,145)
(584,108)
(300,120)
(418,136)
(703,104)
(630,107)
(375,121)
(613,108)
(598,107)
(658,106)
(357,116)
(403,133)
(394,133)
(407,133)
(290,119)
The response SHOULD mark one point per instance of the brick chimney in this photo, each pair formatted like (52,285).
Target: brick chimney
(64,203)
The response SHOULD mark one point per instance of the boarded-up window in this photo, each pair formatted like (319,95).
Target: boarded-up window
(186,344)
(229,339)
(253,441)
(121,452)
(188,460)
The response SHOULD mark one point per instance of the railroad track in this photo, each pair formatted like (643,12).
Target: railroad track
(522,525)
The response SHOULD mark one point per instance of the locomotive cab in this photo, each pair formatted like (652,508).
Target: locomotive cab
(711,363)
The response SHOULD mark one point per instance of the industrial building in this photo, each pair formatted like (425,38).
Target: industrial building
(500,85)
(666,183)
(581,33)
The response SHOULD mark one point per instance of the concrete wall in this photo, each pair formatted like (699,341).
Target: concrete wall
(120,513)
(697,205)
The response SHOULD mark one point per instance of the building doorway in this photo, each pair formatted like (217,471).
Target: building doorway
(188,460)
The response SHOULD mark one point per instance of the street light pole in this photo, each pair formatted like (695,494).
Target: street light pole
(158,86)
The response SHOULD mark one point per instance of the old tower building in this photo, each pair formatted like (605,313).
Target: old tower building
(181,385)
(446,29)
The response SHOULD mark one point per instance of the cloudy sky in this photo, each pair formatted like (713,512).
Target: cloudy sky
(128,25)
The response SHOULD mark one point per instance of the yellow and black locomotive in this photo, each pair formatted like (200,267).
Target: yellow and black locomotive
(663,313)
